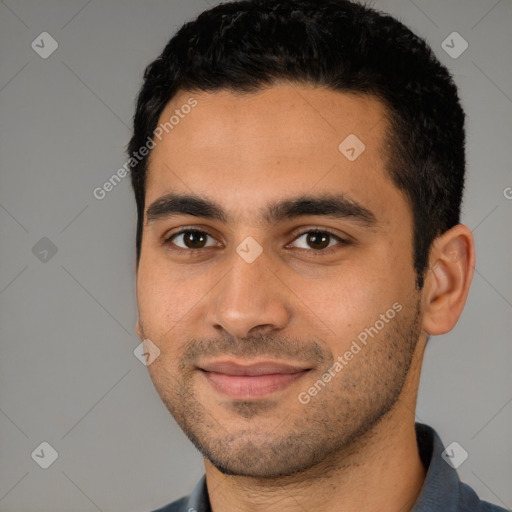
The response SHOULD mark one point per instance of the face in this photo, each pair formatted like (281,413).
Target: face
(276,275)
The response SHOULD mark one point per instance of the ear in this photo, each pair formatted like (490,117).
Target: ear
(448,279)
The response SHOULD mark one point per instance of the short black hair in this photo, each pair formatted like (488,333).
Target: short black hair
(246,46)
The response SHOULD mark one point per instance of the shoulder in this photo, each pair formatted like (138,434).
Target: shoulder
(442,488)
(470,502)
(180,505)
(197,501)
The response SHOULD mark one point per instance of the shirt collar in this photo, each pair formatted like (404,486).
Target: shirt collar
(198,500)
(441,485)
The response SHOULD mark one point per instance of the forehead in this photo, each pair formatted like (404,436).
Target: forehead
(284,140)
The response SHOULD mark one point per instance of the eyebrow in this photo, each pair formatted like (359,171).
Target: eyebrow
(336,206)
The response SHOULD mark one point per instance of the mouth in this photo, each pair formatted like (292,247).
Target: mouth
(251,381)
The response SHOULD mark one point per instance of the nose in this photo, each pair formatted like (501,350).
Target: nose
(249,299)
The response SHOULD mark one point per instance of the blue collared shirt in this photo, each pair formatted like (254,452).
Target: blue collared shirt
(442,489)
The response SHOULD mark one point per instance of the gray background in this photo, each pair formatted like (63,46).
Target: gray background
(68,374)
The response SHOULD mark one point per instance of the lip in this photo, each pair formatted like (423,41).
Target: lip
(229,367)
(251,381)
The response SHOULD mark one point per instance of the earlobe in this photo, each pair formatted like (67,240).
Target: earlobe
(447,283)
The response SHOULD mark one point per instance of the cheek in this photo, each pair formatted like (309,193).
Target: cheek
(354,299)
(170,298)
(160,297)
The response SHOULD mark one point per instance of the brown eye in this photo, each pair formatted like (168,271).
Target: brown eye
(319,240)
(194,240)
(191,239)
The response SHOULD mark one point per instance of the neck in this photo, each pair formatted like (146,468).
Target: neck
(381,470)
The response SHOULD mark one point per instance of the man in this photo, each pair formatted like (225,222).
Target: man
(299,174)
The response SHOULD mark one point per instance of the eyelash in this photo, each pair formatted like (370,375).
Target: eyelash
(168,241)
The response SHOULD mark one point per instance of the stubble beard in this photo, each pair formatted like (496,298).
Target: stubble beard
(307,435)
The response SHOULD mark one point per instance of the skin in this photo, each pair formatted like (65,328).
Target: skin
(353,445)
